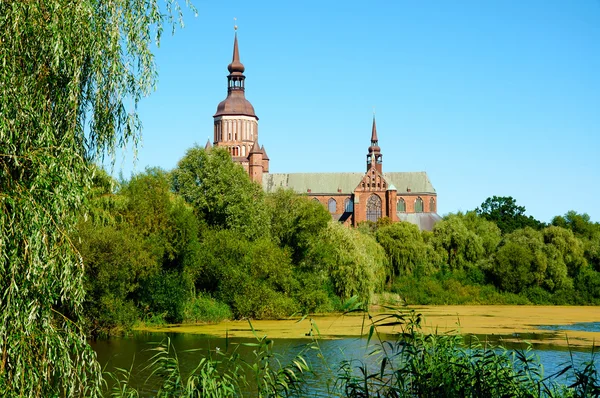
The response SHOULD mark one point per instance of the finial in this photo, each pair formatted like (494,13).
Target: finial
(234,25)
(373,111)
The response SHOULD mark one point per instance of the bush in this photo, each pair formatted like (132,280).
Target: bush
(204,308)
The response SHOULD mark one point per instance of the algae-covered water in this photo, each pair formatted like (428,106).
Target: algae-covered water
(558,336)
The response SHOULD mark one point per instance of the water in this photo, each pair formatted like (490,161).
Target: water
(133,352)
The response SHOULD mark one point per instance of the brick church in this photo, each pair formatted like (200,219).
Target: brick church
(350,197)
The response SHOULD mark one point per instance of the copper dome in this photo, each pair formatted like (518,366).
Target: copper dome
(235,104)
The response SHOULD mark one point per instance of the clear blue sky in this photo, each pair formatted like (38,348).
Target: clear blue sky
(489,97)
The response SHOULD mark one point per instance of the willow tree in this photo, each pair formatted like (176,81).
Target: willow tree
(71,76)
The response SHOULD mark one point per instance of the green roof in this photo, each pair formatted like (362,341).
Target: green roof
(330,183)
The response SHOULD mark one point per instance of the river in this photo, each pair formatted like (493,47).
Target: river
(134,351)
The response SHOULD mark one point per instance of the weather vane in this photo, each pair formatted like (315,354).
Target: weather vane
(234,25)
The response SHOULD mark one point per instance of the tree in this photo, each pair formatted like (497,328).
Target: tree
(404,247)
(221,192)
(504,211)
(355,262)
(463,247)
(67,68)
(488,231)
(296,221)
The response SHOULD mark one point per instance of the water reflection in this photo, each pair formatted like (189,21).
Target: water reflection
(133,352)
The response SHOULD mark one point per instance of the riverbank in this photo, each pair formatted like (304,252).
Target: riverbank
(507,323)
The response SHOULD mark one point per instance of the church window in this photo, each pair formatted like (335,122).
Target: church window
(331,205)
(419,205)
(374,208)
(316,200)
(401,206)
(432,205)
(348,205)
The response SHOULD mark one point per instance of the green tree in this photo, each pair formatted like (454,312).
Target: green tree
(221,192)
(488,231)
(405,248)
(67,68)
(504,211)
(255,278)
(587,231)
(524,261)
(356,263)
(296,221)
(463,247)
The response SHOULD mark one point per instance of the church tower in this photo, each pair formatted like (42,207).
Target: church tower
(374,157)
(235,123)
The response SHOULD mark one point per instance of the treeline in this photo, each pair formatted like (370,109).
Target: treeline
(469,259)
(204,243)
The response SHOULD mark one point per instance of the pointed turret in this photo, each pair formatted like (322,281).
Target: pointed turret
(265,160)
(236,102)
(374,133)
(236,67)
(264,152)
(255,162)
(374,157)
(255,148)
(208,145)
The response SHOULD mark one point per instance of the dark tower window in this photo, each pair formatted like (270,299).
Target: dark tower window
(348,205)
(331,205)
(432,205)
(374,208)
(401,206)
(419,205)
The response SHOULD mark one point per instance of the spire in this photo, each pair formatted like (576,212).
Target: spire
(255,147)
(208,145)
(265,156)
(236,67)
(374,132)
(374,158)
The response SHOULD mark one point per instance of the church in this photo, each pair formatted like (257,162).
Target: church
(352,197)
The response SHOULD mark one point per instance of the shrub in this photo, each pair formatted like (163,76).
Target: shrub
(204,308)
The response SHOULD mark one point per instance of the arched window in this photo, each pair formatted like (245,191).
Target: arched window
(401,205)
(374,208)
(331,205)
(316,200)
(348,205)
(432,205)
(419,205)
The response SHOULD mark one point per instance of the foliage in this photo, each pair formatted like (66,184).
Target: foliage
(116,261)
(221,193)
(416,364)
(488,231)
(254,278)
(204,308)
(504,211)
(296,221)
(462,247)
(522,261)
(220,374)
(456,288)
(356,263)
(141,250)
(587,231)
(405,248)
(67,68)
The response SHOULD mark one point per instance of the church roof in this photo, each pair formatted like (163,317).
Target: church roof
(329,183)
(425,221)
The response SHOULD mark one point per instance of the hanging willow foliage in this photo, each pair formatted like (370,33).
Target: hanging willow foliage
(68,70)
